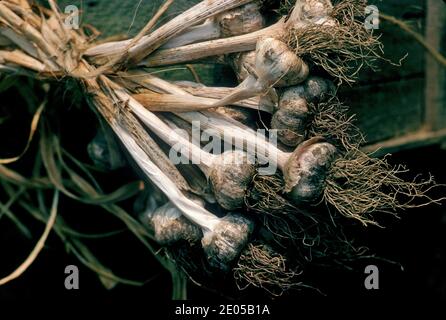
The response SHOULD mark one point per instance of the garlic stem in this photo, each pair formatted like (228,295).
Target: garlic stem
(209,120)
(253,143)
(194,212)
(208,30)
(223,238)
(147,44)
(169,225)
(162,130)
(305,12)
(218,47)
(174,103)
(243,19)
(263,103)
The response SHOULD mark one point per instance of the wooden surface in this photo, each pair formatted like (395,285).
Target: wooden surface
(390,103)
(435,115)
(388,109)
(397,43)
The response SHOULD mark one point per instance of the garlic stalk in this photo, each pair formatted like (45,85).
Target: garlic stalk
(304,14)
(304,169)
(169,225)
(149,43)
(223,238)
(267,103)
(175,103)
(274,62)
(157,100)
(241,20)
(229,173)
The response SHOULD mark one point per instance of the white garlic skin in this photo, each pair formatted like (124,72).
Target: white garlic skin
(307,169)
(241,20)
(170,226)
(290,120)
(230,179)
(277,65)
(224,244)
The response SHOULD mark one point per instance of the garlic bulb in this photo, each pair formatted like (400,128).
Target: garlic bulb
(276,65)
(307,168)
(105,153)
(274,62)
(290,120)
(229,173)
(230,178)
(240,20)
(170,226)
(292,117)
(227,240)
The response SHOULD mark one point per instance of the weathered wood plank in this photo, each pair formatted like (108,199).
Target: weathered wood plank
(386,110)
(398,43)
(412,140)
(435,115)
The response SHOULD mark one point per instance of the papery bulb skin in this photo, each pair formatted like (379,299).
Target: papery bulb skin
(241,20)
(291,120)
(277,65)
(307,168)
(316,89)
(242,63)
(230,178)
(224,244)
(169,226)
(315,10)
(311,12)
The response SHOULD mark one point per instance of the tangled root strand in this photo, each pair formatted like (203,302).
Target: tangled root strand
(343,49)
(330,119)
(313,233)
(359,185)
(278,215)
(262,267)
